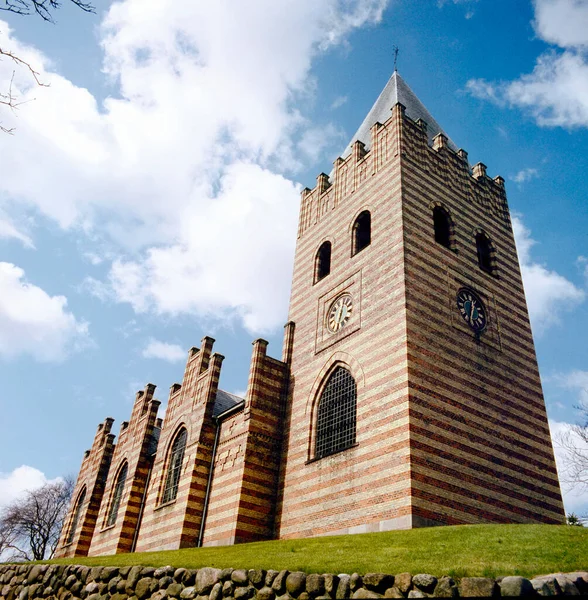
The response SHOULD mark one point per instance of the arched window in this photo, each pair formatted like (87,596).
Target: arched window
(362,232)
(335,426)
(117,494)
(174,467)
(76,517)
(442,224)
(484,249)
(322,265)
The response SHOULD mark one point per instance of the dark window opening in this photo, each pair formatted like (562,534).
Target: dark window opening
(117,495)
(442,224)
(335,429)
(484,249)
(174,468)
(362,234)
(323,261)
(74,522)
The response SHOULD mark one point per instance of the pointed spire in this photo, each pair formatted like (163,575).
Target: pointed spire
(396,90)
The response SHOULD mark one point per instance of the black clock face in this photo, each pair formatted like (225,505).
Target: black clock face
(472,309)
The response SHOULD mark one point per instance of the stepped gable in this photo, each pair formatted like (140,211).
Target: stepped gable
(396,90)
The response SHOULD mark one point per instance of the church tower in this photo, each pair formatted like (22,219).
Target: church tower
(415,396)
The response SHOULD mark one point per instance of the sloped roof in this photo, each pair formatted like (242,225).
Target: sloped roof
(396,90)
(224,401)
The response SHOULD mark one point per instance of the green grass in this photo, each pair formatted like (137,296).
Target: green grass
(467,550)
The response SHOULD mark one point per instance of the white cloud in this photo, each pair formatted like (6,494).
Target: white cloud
(164,351)
(178,168)
(33,322)
(575,381)
(575,497)
(562,22)
(548,293)
(555,94)
(339,101)
(22,479)
(8,230)
(525,175)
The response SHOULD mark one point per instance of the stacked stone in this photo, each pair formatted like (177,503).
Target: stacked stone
(74,582)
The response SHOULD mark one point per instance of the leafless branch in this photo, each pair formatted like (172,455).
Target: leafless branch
(43,8)
(30,526)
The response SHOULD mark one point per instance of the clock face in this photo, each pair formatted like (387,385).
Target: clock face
(472,309)
(339,313)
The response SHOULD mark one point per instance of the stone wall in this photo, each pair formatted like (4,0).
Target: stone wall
(72,582)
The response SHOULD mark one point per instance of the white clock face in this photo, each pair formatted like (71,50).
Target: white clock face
(339,313)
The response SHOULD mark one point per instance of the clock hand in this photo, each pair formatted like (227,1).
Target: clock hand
(472,308)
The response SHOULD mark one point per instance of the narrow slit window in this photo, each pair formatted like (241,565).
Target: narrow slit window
(76,517)
(442,224)
(336,418)
(174,468)
(117,495)
(484,249)
(323,261)
(362,232)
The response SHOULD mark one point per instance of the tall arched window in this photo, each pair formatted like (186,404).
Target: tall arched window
(76,517)
(117,494)
(484,249)
(335,426)
(322,265)
(442,224)
(174,467)
(362,232)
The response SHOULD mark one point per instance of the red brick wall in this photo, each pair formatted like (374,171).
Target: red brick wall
(132,448)
(480,444)
(367,487)
(91,478)
(176,524)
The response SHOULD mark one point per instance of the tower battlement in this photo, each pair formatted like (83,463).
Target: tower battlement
(401,135)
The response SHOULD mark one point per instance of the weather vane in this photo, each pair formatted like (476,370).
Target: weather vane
(395,58)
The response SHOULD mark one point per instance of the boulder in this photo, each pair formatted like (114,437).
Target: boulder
(256,577)
(240,577)
(446,588)
(270,576)
(188,593)
(174,590)
(403,581)
(206,578)
(296,583)
(216,592)
(516,586)
(424,582)
(343,589)
(279,584)
(355,582)
(477,587)
(315,585)
(143,587)
(265,593)
(378,582)
(364,594)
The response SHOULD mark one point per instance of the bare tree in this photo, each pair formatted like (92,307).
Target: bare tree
(45,10)
(574,443)
(30,526)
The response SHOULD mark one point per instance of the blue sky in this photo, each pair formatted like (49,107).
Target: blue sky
(149,195)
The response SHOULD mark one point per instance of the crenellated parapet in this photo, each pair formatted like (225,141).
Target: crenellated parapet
(400,136)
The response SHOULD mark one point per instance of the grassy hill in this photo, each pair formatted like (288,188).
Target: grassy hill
(467,550)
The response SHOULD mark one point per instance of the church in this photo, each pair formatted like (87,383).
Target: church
(407,393)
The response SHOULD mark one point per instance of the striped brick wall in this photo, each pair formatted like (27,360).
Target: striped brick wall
(176,524)
(92,479)
(479,438)
(243,493)
(366,487)
(132,448)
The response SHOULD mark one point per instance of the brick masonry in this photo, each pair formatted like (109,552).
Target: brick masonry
(451,425)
